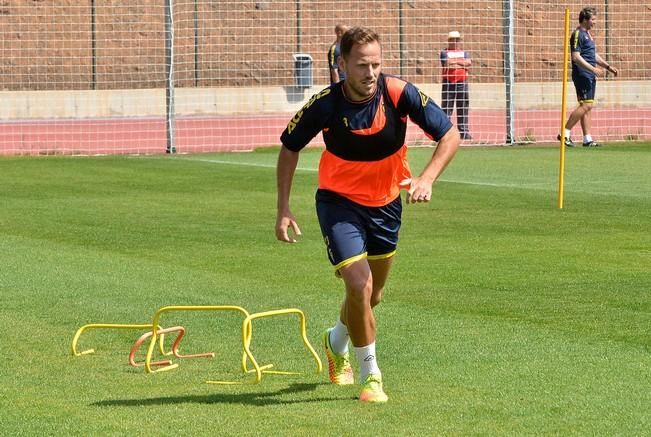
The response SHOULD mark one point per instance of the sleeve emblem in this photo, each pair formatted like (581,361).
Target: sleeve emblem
(423,98)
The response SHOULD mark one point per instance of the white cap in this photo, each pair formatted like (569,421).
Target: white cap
(454,34)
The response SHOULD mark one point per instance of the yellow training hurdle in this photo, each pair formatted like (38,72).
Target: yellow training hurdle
(175,346)
(247,334)
(155,333)
(171,308)
(89,326)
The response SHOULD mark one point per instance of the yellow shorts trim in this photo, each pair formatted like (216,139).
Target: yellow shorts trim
(353,259)
(586,101)
(383,256)
(350,260)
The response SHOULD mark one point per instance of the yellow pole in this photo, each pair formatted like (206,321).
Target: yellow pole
(566,50)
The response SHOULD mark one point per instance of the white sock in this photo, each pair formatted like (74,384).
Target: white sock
(587,139)
(367,361)
(568,132)
(339,338)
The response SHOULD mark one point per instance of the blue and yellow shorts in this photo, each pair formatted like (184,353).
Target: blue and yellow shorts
(585,87)
(352,231)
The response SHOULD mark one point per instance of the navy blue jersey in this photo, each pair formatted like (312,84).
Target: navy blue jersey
(350,129)
(365,156)
(581,41)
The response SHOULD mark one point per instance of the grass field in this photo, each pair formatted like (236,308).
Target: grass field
(503,316)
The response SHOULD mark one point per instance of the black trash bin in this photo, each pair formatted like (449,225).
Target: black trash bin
(302,70)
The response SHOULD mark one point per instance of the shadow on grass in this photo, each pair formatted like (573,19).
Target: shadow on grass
(256,399)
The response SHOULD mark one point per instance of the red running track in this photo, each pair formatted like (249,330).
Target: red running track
(219,134)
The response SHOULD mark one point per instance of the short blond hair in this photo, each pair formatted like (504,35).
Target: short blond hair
(357,35)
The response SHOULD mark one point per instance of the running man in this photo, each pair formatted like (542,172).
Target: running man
(585,70)
(362,169)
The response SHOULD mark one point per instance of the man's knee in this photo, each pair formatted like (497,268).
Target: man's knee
(583,109)
(358,300)
(358,284)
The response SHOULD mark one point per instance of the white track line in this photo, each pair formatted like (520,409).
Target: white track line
(243,164)
(537,186)
(314,170)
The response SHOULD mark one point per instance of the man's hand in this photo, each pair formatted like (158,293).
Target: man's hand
(420,190)
(283,223)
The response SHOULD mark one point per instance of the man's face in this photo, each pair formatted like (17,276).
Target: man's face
(590,22)
(454,43)
(362,67)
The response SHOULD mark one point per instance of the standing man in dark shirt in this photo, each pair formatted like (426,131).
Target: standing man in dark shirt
(336,74)
(585,70)
(455,63)
(364,121)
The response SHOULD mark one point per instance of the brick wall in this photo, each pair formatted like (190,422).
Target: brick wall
(47,45)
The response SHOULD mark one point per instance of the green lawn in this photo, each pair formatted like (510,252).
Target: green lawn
(503,315)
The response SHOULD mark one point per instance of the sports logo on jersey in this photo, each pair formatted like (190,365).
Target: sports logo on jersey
(423,98)
(294,121)
(345,119)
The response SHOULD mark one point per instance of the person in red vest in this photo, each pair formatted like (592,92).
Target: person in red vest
(455,63)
